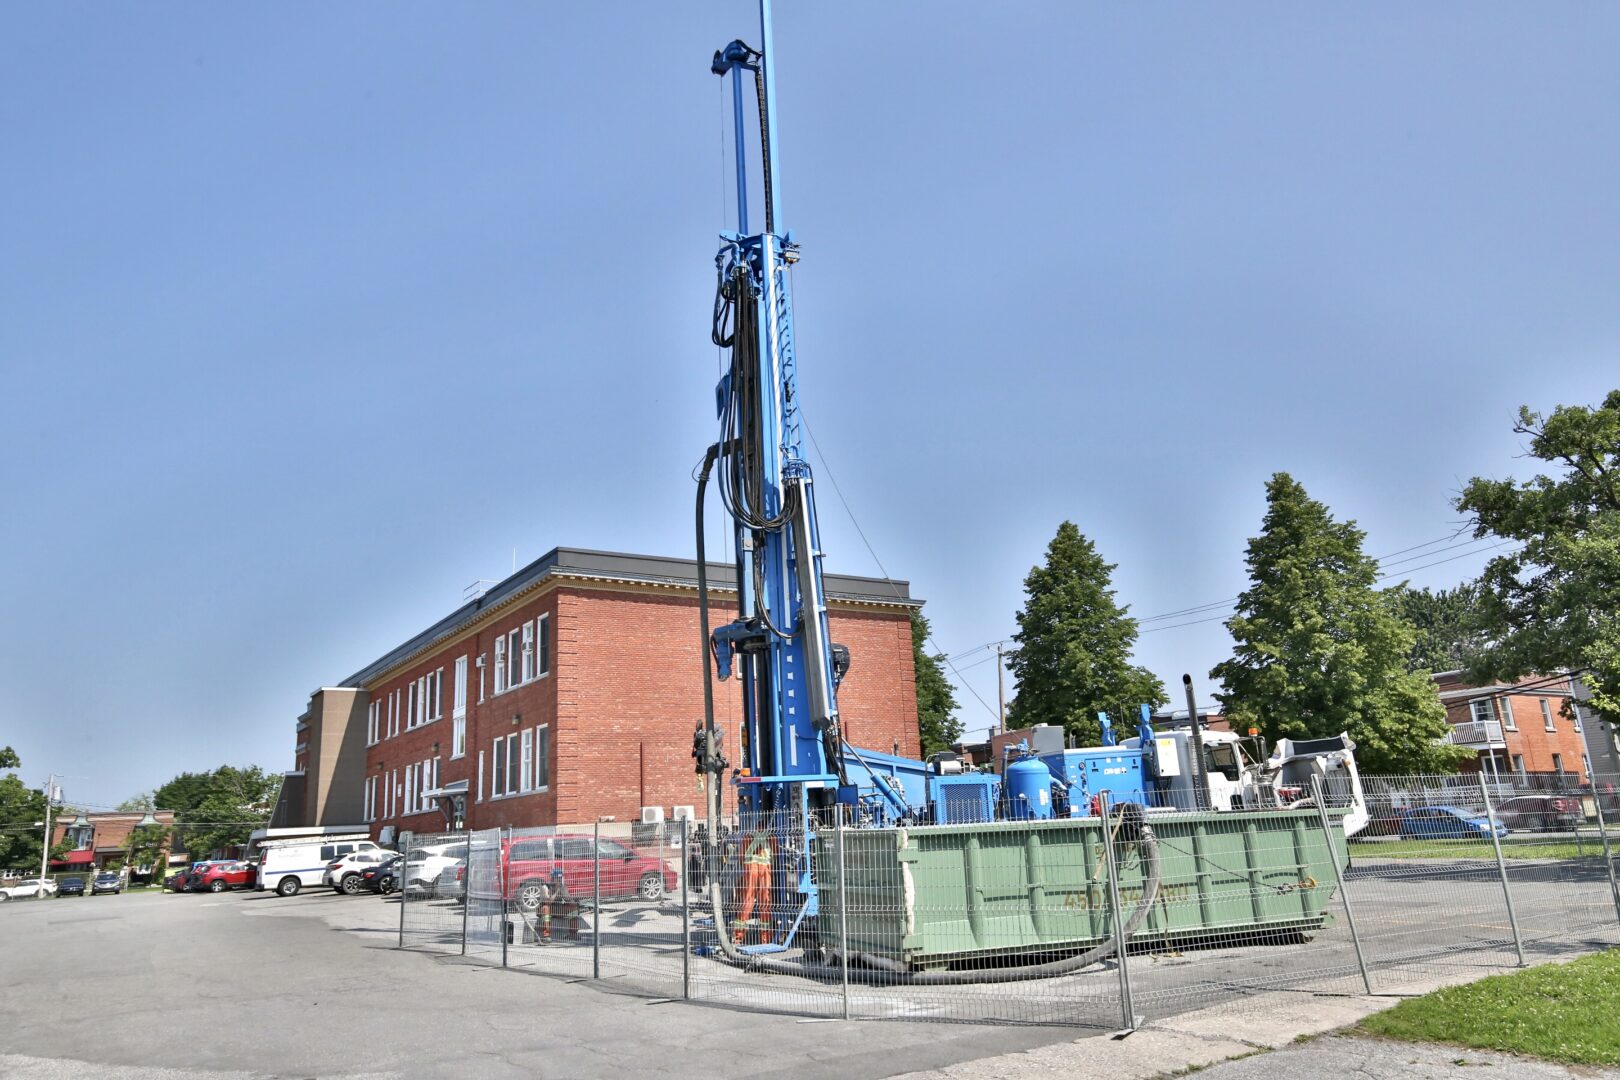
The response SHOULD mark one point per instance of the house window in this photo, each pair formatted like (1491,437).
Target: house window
(1586,766)
(413,704)
(528,651)
(373,723)
(480,678)
(410,790)
(1575,711)
(497,772)
(459,700)
(513,775)
(500,664)
(1547,715)
(370,799)
(1506,708)
(542,757)
(1482,711)
(435,695)
(1518,764)
(1558,764)
(480,776)
(526,773)
(542,646)
(514,657)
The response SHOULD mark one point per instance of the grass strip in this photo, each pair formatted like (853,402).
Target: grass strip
(1568,1013)
(1476,849)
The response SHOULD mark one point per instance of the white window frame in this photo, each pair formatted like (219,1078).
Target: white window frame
(1481,711)
(1558,763)
(480,665)
(1518,764)
(458,700)
(480,776)
(373,723)
(1547,715)
(497,768)
(526,668)
(435,701)
(526,769)
(1504,706)
(410,790)
(514,657)
(500,664)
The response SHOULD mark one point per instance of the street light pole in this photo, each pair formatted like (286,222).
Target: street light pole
(1001,693)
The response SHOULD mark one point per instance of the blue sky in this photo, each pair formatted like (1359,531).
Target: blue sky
(310,316)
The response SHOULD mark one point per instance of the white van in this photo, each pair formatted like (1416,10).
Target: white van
(288,865)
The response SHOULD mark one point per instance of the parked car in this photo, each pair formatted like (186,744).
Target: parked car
(1446,822)
(29,889)
(384,877)
(343,874)
(106,882)
(217,877)
(425,866)
(525,865)
(1541,813)
(70,886)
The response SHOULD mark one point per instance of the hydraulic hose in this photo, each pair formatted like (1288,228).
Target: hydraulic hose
(865,967)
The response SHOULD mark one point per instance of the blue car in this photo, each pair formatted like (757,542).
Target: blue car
(1446,822)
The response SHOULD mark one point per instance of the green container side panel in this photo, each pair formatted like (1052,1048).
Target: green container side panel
(932,895)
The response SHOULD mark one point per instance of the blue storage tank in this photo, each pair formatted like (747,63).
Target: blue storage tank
(1094,769)
(1028,783)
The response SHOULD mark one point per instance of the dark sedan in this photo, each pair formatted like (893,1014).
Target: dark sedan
(70,886)
(384,877)
(1541,813)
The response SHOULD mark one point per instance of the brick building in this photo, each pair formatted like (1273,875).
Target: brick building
(99,838)
(1529,727)
(565,693)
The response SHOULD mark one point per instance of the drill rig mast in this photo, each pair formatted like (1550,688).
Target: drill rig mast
(778,645)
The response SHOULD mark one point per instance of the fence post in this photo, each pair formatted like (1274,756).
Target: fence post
(596,901)
(504,839)
(1318,797)
(686,912)
(843,909)
(1608,859)
(1126,1004)
(466,891)
(402,895)
(1501,868)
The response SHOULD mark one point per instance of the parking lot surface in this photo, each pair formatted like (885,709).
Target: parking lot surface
(152,986)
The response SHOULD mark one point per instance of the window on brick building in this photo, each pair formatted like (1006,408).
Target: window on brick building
(500,664)
(528,651)
(1547,715)
(1518,764)
(458,717)
(542,757)
(370,798)
(458,703)
(373,723)
(514,777)
(497,769)
(480,776)
(1505,706)
(1481,711)
(1558,763)
(413,704)
(435,694)
(542,646)
(526,772)
(514,656)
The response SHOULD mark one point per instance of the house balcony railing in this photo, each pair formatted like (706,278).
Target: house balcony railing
(1477,733)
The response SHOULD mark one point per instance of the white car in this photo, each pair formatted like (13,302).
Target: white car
(30,889)
(343,873)
(425,866)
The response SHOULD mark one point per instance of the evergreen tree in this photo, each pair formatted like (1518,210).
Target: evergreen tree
(1553,602)
(1446,621)
(1320,650)
(1074,645)
(937,726)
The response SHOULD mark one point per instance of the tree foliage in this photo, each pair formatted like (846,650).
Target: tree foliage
(218,809)
(937,725)
(9,758)
(1447,625)
(1554,601)
(1320,650)
(1073,655)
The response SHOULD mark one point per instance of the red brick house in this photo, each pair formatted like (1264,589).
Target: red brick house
(1529,727)
(566,693)
(99,838)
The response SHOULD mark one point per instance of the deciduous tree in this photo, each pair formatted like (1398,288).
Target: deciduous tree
(1553,602)
(937,725)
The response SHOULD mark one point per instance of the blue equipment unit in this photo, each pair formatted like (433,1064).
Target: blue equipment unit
(892,788)
(1028,784)
(1089,771)
(964,799)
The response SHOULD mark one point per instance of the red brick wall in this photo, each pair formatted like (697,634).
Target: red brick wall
(623,697)
(1532,740)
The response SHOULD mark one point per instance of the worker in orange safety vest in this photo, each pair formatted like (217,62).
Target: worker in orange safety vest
(756,862)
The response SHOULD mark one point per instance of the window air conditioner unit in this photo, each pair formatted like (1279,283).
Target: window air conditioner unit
(652,815)
(685,813)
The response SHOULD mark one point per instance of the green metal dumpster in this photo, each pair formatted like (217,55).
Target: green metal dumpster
(933,896)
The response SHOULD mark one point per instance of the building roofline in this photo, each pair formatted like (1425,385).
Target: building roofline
(561,562)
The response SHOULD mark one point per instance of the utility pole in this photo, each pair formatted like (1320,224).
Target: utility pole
(45,848)
(1001,693)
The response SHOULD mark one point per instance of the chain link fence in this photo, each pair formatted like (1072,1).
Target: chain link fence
(1134,912)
